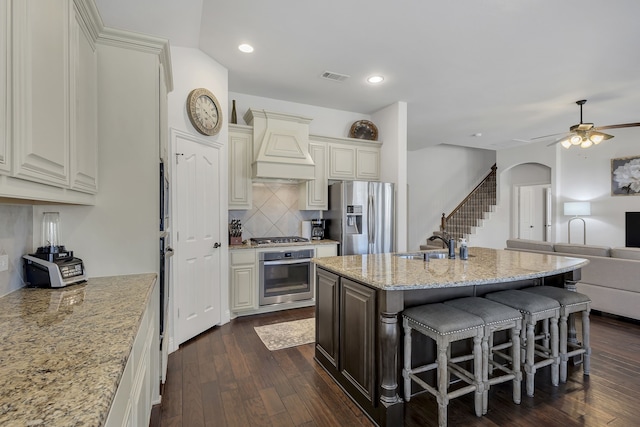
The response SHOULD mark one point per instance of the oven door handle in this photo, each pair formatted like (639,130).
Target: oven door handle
(287,262)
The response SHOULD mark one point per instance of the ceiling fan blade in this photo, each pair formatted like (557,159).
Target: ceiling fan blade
(548,136)
(605,136)
(565,136)
(623,125)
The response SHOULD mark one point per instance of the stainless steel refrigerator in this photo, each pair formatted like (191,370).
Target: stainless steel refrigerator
(361,217)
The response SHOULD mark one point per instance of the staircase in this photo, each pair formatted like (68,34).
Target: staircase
(470,211)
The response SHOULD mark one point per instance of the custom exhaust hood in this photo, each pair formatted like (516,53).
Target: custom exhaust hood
(280,146)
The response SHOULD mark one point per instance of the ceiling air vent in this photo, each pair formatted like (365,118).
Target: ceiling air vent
(336,77)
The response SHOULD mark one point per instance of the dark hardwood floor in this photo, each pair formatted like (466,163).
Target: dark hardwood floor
(227,377)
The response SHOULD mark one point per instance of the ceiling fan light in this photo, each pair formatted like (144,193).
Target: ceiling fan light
(586,143)
(566,143)
(596,139)
(575,140)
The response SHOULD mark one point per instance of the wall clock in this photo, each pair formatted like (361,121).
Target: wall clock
(204,111)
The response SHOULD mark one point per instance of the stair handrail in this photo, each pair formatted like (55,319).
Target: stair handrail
(445,218)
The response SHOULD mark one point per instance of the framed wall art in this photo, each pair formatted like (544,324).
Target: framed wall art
(625,176)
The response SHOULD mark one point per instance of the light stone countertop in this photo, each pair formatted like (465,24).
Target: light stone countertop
(63,351)
(484,266)
(248,245)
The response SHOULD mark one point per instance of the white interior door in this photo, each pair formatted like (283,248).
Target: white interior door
(531,212)
(198,237)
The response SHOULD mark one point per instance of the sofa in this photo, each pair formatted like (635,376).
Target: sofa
(611,279)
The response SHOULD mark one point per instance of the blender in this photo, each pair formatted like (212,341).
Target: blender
(52,265)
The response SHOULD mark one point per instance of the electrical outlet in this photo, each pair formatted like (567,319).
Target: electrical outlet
(4,262)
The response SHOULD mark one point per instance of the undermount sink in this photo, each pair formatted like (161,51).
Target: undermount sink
(424,256)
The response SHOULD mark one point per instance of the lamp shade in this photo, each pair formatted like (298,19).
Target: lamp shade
(577,208)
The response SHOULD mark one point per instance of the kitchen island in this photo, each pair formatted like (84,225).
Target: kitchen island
(360,298)
(64,352)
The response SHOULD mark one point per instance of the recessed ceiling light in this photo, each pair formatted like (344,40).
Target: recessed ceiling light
(375,79)
(246,48)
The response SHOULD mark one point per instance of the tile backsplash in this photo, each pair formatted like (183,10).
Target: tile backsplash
(16,239)
(275,212)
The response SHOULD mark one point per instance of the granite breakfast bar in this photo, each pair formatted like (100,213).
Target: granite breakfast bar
(359,300)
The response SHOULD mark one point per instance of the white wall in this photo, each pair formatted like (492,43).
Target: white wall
(392,126)
(439,178)
(119,235)
(585,174)
(194,69)
(576,175)
(326,121)
(15,240)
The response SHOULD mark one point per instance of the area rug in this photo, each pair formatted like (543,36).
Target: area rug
(287,334)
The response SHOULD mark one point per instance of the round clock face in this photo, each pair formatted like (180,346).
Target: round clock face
(204,111)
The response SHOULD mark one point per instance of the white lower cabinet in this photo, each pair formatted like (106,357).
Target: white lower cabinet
(243,280)
(326,250)
(132,403)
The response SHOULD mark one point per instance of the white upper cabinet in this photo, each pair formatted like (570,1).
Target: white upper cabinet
(51,128)
(353,159)
(84,107)
(41,90)
(5,85)
(314,194)
(240,156)
(368,163)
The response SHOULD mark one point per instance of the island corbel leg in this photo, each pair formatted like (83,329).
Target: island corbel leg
(391,404)
(389,346)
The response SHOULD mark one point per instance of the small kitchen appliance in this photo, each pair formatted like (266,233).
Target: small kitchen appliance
(317,229)
(52,265)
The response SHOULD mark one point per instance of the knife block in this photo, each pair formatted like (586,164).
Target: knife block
(235,240)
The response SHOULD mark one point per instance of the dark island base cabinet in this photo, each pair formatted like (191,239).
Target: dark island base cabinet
(345,335)
(327,310)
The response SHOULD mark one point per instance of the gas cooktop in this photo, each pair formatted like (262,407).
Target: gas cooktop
(280,239)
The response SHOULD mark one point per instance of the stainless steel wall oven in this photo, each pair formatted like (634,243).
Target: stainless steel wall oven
(285,276)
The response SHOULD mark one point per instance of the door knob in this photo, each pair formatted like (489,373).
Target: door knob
(216,245)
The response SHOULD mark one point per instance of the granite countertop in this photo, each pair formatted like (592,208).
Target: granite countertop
(484,266)
(63,351)
(248,245)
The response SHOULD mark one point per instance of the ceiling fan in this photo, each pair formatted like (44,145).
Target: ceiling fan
(584,134)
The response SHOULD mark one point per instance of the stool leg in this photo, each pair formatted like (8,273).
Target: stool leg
(478,357)
(545,332)
(530,368)
(407,362)
(515,356)
(443,383)
(586,339)
(563,347)
(555,366)
(487,344)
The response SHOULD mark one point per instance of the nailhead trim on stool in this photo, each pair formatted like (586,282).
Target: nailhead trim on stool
(496,317)
(444,325)
(534,308)
(570,302)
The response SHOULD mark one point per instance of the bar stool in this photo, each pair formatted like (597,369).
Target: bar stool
(496,317)
(534,308)
(570,302)
(444,324)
